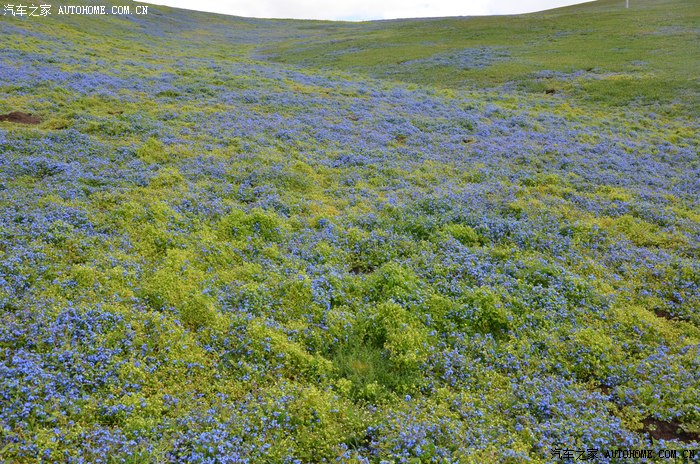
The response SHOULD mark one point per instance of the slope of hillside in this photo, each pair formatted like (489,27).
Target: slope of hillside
(237,240)
(599,52)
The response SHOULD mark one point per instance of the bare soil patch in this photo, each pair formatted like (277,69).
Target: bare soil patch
(667,430)
(20,118)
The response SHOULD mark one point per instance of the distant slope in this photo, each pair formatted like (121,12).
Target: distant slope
(598,52)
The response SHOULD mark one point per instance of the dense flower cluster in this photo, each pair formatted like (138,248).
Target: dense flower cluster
(468,58)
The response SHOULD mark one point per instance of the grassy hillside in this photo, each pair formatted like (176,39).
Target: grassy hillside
(445,240)
(598,52)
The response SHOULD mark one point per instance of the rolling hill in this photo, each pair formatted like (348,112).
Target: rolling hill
(463,240)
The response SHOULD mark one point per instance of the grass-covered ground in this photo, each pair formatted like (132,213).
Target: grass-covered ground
(460,240)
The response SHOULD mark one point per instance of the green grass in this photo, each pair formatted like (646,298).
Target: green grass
(312,239)
(601,39)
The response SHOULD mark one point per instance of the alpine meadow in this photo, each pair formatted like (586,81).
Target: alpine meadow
(442,240)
